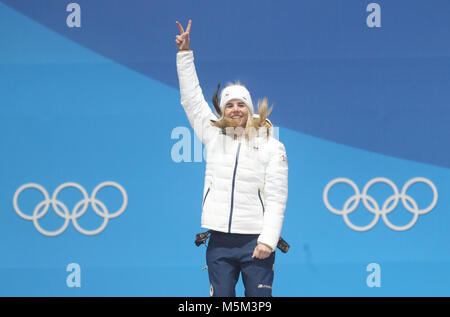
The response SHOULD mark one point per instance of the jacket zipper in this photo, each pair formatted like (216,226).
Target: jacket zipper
(260,199)
(206,195)
(232,187)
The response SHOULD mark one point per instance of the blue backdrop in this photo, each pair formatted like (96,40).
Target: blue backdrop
(361,99)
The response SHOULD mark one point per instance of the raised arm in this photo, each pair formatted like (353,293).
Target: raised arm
(197,109)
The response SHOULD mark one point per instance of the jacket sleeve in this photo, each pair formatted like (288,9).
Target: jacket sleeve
(275,194)
(197,109)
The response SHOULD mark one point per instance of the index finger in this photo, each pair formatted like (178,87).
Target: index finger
(189,26)
(180,27)
(254,253)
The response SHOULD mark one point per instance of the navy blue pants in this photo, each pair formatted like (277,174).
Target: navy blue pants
(230,254)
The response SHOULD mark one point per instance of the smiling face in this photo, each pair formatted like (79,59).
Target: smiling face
(237,110)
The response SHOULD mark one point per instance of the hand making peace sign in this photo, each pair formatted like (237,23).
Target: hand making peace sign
(182,40)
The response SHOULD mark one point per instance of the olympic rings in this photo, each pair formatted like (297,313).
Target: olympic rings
(80,208)
(388,206)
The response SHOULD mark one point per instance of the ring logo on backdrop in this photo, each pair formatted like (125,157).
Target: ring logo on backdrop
(62,211)
(388,205)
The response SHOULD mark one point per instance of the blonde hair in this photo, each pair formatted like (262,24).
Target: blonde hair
(253,125)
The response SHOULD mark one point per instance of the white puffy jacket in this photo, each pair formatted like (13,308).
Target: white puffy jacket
(246,181)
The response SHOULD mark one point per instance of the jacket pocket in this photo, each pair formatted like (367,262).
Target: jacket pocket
(260,200)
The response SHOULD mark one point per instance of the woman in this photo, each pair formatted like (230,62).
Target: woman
(245,189)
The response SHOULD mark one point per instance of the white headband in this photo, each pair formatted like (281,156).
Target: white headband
(236,92)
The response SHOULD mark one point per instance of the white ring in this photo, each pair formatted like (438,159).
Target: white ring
(407,226)
(122,191)
(429,183)
(91,232)
(65,185)
(20,190)
(363,228)
(51,233)
(379,180)
(327,188)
